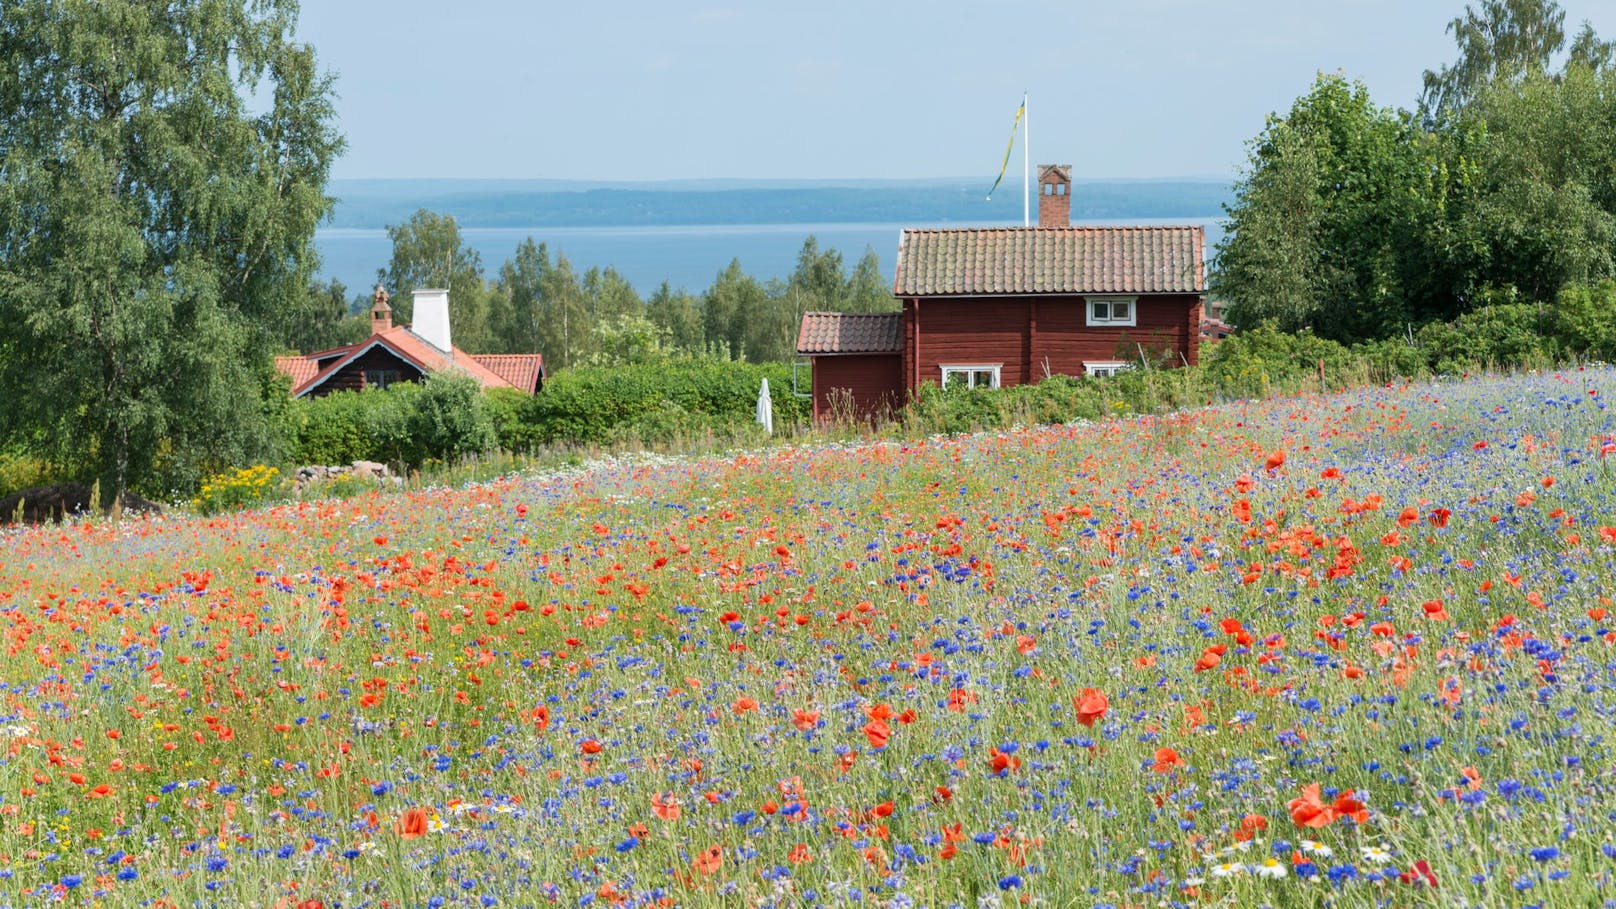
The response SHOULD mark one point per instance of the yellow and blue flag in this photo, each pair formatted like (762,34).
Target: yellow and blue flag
(1020,112)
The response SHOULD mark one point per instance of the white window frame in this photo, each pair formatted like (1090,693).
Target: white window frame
(1133,311)
(969,371)
(1105,368)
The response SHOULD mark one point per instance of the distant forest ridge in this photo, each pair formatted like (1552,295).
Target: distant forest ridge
(374,204)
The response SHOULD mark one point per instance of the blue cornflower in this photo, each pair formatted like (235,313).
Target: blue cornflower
(1010,882)
(1545,853)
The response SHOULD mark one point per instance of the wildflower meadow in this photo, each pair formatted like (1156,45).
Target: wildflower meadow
(1353,649)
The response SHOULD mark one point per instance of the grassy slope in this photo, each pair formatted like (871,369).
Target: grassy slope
(1418,589)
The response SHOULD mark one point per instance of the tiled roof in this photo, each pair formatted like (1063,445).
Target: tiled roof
(406,345)
(850,332)
(1050,260)
(521,370)
(298,369)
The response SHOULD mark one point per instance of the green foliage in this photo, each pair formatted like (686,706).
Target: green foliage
(348,426)
(1504,336)
(20,470)
(445,418)
(428,252)
(449,421)
(162,173)
(1321,216)
(1363,223)
(1584,320)
(1504,39)
(655,401)
(1247,364)
(320,319)
(627,339)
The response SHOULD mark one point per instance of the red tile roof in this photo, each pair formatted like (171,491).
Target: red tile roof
(408,346)
(850,332)
(521,370)
(1050,260)
(298,369)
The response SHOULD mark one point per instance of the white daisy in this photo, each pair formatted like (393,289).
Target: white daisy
(1227,869)
(1314,847)
(1380,855)
(1270,868)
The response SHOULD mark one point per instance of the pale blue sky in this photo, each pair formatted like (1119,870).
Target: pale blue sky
(659,89)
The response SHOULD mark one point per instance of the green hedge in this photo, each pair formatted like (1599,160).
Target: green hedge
(658,402)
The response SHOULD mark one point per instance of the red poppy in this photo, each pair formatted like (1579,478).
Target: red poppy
(1091,705)
(709,861)
(806,720)
(1420,873)
(1347,806)
(413,823)
(1166,760)
(665,806)
(878,732)
(1310,810)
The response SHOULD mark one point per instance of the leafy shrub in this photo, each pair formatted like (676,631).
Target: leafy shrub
(235,490)
(1057,399)
(448,421)
(1491,337)
(443,418)
(19,470)
(1389,358)
(348,426)
(1584,320)
(1249,363)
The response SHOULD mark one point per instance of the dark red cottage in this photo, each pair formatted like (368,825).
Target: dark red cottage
(1008,306)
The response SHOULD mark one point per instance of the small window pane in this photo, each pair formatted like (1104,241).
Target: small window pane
(1102,311)
(1119,310)
(982,378)
(956,380)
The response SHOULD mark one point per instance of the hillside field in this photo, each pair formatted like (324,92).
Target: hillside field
(1347,650)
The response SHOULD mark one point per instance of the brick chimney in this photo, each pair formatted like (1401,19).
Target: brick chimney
(1054,195)
(381,315)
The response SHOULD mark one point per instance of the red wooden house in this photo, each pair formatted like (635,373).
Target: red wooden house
(1008,306)
(395,353)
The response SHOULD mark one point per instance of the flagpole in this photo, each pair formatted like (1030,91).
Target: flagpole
(1026,162)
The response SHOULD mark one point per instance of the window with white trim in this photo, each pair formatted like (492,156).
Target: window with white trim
(971,375)
(1105,368)
(1122,311)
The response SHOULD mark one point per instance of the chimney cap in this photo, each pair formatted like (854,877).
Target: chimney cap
(1061,172)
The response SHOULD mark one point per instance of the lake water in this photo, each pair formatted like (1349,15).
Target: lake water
(688,258)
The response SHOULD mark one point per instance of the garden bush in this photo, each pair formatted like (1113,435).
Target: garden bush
(1493,337)
(665,399)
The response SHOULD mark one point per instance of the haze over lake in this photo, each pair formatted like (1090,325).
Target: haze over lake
(686,233)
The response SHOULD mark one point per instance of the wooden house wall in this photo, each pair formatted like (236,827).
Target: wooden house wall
(875,380)
(1026,335)
(352,376)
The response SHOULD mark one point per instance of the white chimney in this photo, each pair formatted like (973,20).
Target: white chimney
(432,318)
